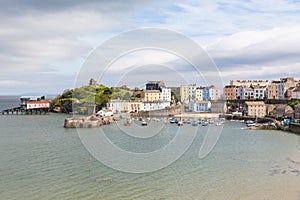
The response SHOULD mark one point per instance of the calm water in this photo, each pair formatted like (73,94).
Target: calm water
(42,160)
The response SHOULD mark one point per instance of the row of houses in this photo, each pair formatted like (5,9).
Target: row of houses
(283,89)
(157,96)
(123,106)
(192,92)
(258,109)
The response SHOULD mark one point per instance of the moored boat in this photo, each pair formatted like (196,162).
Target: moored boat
(195,124)
(205,124)
(106,122)
(144,123)
(127,124)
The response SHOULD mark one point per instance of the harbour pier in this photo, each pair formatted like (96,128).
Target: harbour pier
(22,111)
(29,105)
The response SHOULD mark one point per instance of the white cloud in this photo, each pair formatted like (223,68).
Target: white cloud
(53,37)
(279,46)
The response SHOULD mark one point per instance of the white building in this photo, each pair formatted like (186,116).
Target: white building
(135,106)
(122,106)
(248,93)
(215,93)
(199,106)
(259,92)
(118,106)
(165,94)
(147,106)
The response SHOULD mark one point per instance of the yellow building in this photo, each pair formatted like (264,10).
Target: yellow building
(152,95)
(187,92)
(256,108)
(199,94)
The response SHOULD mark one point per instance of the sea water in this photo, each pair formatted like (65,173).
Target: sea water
(40,159)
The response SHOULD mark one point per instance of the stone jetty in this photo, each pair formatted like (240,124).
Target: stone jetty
(87,122)
(83,122)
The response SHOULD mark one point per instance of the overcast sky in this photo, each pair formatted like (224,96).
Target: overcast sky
(44,43)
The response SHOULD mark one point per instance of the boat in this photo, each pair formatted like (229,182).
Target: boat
(205,124)
(249,122)
(127,124)
(251,125)
(195,124)
(173,120)
(106,122)
(144,123)
(218,123)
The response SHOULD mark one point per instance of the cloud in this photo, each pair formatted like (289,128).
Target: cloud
(52,38)
(279,46)
(207,20)
(269,53)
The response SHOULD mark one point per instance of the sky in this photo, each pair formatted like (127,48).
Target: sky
(45,44)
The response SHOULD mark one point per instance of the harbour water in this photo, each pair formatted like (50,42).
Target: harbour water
(41,160)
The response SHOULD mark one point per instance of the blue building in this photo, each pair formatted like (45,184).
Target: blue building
(206,94)
(280,90)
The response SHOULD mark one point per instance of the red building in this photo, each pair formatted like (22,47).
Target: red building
(230,92)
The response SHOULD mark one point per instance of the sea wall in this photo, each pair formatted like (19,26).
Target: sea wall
(171,111)
(199,115)
(295,128)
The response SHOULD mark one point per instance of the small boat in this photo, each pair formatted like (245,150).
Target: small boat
(106,122)
(251,125)
(173,121)
(144,123)
(205,124)
(249,122)
(128,123)
(218,124)
(195,124)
